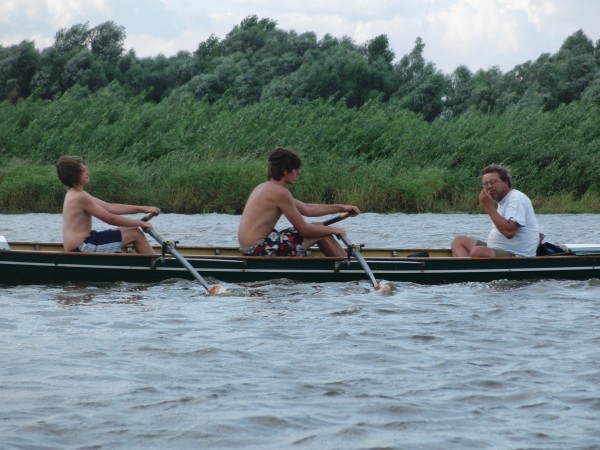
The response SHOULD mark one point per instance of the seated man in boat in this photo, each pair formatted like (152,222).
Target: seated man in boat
(269,200)
(515,230)
(79,207)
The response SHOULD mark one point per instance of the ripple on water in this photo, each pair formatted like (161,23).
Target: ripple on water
(310,365)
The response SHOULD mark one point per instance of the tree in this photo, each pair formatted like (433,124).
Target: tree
(379,48)
(150,77)
(576,75)
(421,86)
(249,36)
(486,89)
(18,65)
(181,68)
(544,72)
(204,87)
(80,55)
(577,66)
(47,82)
(106,41)
(338,71)
(207,53)
(577,44)
(305,42)
(73,38)
(83,69)
(458,92)
(591,95)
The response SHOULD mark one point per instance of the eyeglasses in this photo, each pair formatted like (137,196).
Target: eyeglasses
(490,183)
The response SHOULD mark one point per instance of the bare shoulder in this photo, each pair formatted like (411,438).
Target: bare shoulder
(79,199)
(271,190)
(76,196)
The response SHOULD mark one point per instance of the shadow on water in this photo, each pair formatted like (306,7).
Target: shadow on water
(105,293)
(137,293)
(81,294)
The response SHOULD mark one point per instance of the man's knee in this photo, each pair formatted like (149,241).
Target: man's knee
(462,241)
(482,252)
(132,235)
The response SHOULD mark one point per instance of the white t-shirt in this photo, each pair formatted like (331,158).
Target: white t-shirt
(517,207)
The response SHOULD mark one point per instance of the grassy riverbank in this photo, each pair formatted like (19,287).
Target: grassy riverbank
(189,157)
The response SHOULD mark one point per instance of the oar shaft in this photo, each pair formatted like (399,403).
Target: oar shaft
(184,262)
(361,260)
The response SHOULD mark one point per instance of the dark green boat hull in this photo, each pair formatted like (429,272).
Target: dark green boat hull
(32,267)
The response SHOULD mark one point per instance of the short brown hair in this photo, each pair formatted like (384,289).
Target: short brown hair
(69,169)
(282,160)
(502,171)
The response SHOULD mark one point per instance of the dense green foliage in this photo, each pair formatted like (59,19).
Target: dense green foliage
(257,61)
(191,133)
(189,156)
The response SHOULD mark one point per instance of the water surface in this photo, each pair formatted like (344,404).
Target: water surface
(300,365)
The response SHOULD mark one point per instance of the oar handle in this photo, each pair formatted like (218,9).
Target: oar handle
(337,218)
(147,217)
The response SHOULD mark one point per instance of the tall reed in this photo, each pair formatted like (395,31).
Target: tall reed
(191,157)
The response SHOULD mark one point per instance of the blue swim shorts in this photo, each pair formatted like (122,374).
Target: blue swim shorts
(107,241)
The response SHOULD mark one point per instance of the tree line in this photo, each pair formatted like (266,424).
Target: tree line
(257,61)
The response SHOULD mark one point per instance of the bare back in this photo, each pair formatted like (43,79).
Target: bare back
(77,222)
(262,211)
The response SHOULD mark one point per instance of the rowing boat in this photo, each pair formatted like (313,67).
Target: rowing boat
(42,263)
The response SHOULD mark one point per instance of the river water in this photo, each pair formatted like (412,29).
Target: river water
(503,365)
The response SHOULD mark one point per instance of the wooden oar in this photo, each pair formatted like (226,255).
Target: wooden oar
(170,247)
(360,259)
(384,286)
(353,249)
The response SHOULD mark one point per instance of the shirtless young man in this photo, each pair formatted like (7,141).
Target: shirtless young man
(269,200)
(79,207)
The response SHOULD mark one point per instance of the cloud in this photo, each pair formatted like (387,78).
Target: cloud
(64,13)
(469,24)
(492,32)
(12,10)
(39,20)
(146,45)
(59,13)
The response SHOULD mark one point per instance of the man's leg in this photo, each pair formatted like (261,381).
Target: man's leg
(331,247)
(482,252)
(136,237)
(462,246)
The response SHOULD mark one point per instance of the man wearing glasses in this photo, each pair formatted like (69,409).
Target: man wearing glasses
(515,230)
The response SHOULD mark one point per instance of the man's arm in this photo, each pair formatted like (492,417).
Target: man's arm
(318,209)
(106,212)
(289,207)
(508,228)
(119,208)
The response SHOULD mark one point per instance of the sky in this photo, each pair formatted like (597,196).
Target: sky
(476,33)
